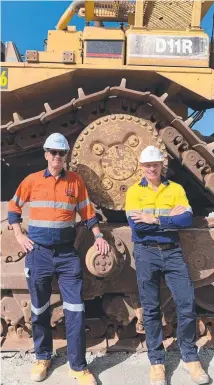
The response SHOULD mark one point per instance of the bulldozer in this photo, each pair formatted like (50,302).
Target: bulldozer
(126,81)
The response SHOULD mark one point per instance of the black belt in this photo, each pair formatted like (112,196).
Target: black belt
(160,246)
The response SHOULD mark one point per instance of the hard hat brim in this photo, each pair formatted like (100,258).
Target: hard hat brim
(151,161)
(55,148)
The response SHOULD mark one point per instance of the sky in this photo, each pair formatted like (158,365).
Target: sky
(26,24)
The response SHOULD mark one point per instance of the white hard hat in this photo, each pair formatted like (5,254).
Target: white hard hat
(56,141)
(151,154)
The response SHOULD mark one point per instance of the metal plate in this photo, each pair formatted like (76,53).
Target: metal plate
(104,49)
(163,46)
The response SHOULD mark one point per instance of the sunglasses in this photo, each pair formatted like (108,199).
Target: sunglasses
(59,152)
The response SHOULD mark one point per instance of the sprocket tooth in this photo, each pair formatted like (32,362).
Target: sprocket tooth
(47,107)
(20,123)
(81,93)
(164,97)
(17,118)
(50,114)
(123,83)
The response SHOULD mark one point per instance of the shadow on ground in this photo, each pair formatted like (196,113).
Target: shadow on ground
(102,362)
(173,361)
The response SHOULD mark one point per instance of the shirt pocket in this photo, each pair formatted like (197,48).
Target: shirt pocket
(147,204)
(39,193)
(167,202)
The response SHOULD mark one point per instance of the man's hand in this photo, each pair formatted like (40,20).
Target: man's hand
(177,210)
(25,242)
(145,218)
(102,246)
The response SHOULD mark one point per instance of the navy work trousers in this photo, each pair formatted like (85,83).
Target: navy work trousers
(151,264)
(41,264)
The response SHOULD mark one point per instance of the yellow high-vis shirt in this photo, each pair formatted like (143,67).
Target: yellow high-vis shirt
(142,197)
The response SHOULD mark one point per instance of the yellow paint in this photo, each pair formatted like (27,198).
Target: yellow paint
(197,80)
(139,13)
(89,10)
(3,79)
(196,14)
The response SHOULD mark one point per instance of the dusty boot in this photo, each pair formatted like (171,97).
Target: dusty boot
(39,370)
(84,377)
(157,375)
(196,372)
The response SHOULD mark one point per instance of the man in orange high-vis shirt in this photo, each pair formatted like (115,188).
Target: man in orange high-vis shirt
(55,195)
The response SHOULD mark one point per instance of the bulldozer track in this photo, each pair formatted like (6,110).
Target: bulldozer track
(102,333)
(78,118)
(21,135)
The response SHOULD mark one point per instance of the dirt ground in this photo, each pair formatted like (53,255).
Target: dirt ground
(109,369)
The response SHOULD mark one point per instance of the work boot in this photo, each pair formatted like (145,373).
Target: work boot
(196,372)
(39,370)
(157,375)
(84,377)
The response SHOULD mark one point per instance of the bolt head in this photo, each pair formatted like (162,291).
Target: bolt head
(133,141)
(97,149)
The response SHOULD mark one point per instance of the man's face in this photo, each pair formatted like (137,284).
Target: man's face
(152,170)
(55,158)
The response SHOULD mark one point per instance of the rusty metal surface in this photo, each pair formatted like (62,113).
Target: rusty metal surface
(199,256)
(205,296)
(106,155)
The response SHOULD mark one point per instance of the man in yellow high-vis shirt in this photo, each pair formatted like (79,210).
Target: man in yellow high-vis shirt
(156,208)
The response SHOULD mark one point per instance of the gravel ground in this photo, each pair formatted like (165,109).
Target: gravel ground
(109,369)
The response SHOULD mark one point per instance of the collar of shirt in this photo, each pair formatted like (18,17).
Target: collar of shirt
(47,173)
(144,182)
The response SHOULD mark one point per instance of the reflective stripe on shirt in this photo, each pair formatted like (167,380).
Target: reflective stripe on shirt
(155,212)
(18,201)
(52,204)
(82,204)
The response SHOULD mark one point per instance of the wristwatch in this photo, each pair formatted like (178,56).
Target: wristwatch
(99,235)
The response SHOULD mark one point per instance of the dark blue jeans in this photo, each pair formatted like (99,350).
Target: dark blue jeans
(151,263)
(41,264)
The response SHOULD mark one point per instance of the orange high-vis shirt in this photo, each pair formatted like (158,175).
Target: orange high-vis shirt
(53,206)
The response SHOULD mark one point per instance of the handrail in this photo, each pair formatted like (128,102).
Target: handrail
(69,13)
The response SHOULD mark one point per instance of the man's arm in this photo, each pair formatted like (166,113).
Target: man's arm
(21,196)
(179,217)
(87,213)
(138,221)
(22,239)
